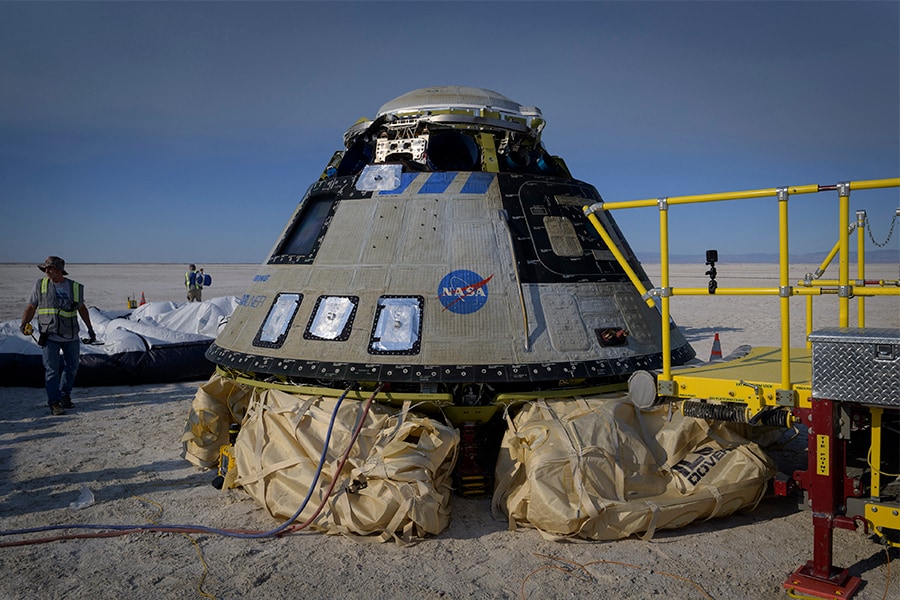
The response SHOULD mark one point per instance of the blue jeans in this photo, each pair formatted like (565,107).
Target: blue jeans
(60,366)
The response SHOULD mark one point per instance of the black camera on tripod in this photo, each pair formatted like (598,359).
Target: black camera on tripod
(712,256)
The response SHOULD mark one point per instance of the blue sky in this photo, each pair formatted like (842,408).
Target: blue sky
(188,132)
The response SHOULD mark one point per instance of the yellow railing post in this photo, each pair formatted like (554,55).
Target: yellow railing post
(614,248)
(784,289)
(664,284)
(809,319)
(844,268)
(875,452)
(860,265)
(821,270)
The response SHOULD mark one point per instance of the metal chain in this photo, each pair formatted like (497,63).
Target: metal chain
(890,233)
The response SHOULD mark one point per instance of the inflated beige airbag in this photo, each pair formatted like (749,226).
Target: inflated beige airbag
(395,483)
(602,469)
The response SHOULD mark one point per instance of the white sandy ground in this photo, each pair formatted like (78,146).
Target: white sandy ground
(123,444)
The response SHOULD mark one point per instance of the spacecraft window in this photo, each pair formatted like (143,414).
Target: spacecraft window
(273,332)
(332,318)
(398,325)
(451,150)
(355,158)
(303,238)
(376,178)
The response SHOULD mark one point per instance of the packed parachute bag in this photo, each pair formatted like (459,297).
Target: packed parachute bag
(602,469)
(395,483)
(217,404)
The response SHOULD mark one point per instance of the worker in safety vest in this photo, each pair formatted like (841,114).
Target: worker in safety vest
(58,301)
(193,281)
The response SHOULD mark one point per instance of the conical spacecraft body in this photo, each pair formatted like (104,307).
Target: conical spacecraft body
(445,250)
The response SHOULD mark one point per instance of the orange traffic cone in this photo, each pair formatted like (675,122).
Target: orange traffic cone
(144,301)
(716,352)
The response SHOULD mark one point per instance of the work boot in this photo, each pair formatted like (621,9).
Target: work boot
(57,409)
(67,401)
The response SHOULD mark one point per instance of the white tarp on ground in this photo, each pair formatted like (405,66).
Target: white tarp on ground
(155,322)
(136,345)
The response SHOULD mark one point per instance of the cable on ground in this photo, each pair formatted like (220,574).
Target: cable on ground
(284,528)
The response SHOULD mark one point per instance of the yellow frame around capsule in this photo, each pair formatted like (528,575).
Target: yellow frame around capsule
(758,385)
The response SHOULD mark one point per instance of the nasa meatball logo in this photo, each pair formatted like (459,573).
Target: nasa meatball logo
(463,292)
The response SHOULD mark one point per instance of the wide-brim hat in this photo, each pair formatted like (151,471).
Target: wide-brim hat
(55,262)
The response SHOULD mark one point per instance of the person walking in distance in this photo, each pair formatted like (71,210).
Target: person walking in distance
(58,301)
(200,276)
(193,281)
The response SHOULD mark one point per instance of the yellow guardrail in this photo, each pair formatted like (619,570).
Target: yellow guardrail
(844,287)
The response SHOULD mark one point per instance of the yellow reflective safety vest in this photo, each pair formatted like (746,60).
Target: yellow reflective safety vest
(192,280)
(55,319)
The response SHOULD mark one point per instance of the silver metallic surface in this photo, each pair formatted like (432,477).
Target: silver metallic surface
(856,365)
(412,262)
(782,194)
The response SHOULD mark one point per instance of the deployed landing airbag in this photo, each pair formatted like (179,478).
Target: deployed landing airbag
(395,483)
(601,469)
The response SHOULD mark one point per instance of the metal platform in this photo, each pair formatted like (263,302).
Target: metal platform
(752,379)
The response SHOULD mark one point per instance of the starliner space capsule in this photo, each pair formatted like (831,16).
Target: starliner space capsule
(445,253)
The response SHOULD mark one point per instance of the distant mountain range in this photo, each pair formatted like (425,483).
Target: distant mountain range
(872,256)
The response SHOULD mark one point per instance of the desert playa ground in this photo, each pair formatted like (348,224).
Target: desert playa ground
(119,455)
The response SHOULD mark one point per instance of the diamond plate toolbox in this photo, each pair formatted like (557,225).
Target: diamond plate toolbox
(856,365)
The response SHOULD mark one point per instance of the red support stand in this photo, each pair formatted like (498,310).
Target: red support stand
(840,585)
(826,484)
